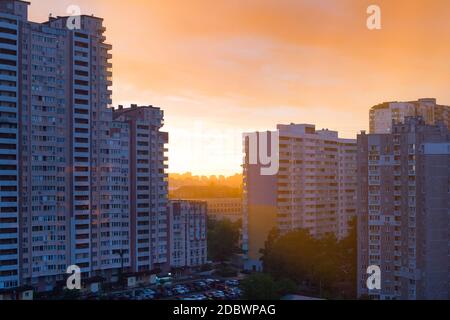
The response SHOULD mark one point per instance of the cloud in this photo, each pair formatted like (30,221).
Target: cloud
(232,63)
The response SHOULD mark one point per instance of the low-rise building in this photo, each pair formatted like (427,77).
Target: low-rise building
(224,208)
(187,233)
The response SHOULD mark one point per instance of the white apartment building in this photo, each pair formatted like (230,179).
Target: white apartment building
(68,165)
(58,149)
(148,186)
(188,243)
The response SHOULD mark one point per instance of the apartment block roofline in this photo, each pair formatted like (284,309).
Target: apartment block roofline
(302,128)
(120,110)
(21,1)
(257,131)
(51,18)
(385,105)
(294,129)
(133,106)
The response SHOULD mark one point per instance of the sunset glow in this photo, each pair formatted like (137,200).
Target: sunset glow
(219,68)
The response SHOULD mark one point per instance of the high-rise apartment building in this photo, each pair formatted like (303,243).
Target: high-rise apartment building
(10,246)
(382,115)
(404,211)
(148,186)
(188,245)
(68,161)
(314,188)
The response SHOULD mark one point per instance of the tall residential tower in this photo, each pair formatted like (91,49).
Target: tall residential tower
(79,183)
(314,188)
(404,210)
(148,186)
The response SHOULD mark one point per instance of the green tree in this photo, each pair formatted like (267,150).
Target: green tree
(259,286)
(349,260)
(223,239)
(285,286)
(71,294)
(322,266)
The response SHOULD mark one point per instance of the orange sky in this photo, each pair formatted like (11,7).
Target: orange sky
(219,68)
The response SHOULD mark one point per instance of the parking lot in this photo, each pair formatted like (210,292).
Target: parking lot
(200,289)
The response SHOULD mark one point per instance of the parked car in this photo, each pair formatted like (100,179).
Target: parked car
(149,291)
(200,286)
(200,297)
(232,282)
(210,281)
(209,295)
(179,289)
(220,286)
(167,293)
(233,293)
(190,287)
(219,295)
(195,297)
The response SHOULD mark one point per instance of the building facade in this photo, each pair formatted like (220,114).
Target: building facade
(10,19)
(314,188)
(188,240)
(224,208)
(403,211)
(148,186)
(66,160)
(382,115)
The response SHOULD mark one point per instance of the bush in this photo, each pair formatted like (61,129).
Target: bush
(261,286)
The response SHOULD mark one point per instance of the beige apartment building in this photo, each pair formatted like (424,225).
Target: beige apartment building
(314,188)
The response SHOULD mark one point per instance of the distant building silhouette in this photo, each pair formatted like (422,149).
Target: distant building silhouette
(382,115)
